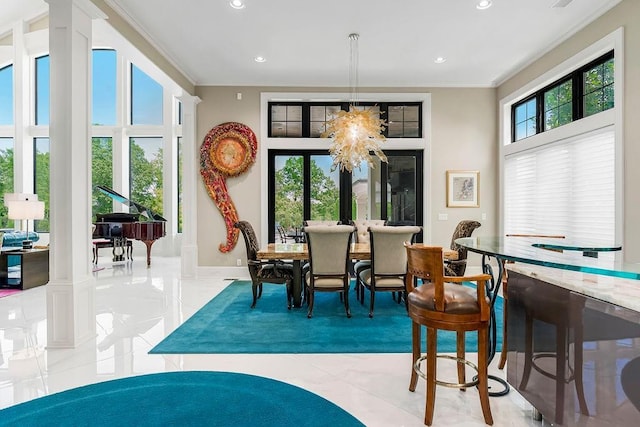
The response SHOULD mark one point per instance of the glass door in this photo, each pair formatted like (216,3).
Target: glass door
(288,191)
(303,185)
(402,190)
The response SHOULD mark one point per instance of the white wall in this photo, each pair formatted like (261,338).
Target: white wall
(624,15)
(463,137)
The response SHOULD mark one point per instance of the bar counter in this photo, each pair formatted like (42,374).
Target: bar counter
(573,327)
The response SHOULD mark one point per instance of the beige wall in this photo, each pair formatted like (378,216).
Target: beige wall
(625,15)
(463,135)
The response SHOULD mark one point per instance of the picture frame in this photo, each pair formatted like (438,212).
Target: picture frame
(463,189)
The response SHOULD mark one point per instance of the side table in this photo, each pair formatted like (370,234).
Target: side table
(31,271)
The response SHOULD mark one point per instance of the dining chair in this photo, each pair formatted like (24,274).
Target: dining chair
(457,267)
(361,235)
(313,222)
(362,228)
(264,271)
(282,234)
(388,268)
(328,269)
(440,303)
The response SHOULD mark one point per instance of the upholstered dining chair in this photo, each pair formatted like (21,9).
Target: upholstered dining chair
(457,267)
(388,267)
(313,222)
(440,303)
(328,262)
(261,271)
(362,228)
(362,236)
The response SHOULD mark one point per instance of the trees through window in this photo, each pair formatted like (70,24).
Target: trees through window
(584,92)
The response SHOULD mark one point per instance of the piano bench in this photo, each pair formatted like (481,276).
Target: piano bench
(106,243)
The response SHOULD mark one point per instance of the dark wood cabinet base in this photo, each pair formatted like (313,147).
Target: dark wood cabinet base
(32,269)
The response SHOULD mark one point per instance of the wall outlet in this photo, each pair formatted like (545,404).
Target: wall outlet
(443,217)
(484,216)
(239,262)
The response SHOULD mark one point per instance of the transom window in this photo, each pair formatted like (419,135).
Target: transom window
(598,88)
(309,119)
(558,106)
(6,95)
(584,92)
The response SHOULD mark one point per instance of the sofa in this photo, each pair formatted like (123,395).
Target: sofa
(13,238)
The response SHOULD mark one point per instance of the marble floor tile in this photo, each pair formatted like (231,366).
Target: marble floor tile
(136,307)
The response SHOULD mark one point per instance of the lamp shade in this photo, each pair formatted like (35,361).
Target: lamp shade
(26,209)
(12,197)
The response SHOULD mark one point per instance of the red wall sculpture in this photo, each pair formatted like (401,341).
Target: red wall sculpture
(228,150)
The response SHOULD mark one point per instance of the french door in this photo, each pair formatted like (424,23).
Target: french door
(303,186)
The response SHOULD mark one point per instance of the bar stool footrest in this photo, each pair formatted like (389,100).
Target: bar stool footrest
(421,374)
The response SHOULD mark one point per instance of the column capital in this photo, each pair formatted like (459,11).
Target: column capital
(87,6)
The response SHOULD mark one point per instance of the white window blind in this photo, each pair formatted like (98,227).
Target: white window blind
(566,187)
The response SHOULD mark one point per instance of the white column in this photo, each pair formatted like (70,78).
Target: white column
(70,292)
(190,176)
(22,140)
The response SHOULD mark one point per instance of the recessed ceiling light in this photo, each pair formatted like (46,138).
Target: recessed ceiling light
(439,60)
(260,59)
(237,4)
(483,4)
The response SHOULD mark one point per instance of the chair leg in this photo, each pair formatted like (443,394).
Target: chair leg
(372,299)
(561,363)
(346,299)
(432,349)
(528,351)
(415,345)
(254,291)
(483,374)
(289,294)
(310,310)
(460,352)
(578,358)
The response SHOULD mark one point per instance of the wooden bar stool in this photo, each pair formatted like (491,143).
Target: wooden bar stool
(441,302)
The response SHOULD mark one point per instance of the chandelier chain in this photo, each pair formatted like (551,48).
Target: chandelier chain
(353,67)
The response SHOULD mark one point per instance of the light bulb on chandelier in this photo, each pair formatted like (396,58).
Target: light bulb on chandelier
(357,133)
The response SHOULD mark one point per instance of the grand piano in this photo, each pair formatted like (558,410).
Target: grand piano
(141,224)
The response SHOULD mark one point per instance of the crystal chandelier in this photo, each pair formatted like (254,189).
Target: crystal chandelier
(358,132)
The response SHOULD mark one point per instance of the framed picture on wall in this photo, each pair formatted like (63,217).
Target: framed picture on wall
(463,189)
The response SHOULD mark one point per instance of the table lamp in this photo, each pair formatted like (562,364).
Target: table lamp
(24,207)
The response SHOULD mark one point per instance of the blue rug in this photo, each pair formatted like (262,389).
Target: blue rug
(227,324)
(194,398)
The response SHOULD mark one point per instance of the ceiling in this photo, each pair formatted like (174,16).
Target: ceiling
(306,43)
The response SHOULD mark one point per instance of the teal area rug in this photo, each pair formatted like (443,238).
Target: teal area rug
(192,398)
(227,324)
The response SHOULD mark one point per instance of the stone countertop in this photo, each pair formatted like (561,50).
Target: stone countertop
(614,290)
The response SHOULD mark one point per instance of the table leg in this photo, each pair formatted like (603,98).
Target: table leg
(297,283)
(492,293)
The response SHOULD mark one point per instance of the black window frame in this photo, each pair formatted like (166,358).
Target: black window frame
(344,106)
(345,190)
(577,107)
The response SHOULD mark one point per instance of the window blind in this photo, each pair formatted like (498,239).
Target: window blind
(566,187)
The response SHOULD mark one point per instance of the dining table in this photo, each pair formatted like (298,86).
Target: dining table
(298,252)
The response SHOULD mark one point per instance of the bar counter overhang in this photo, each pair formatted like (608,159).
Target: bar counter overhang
(573,327)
